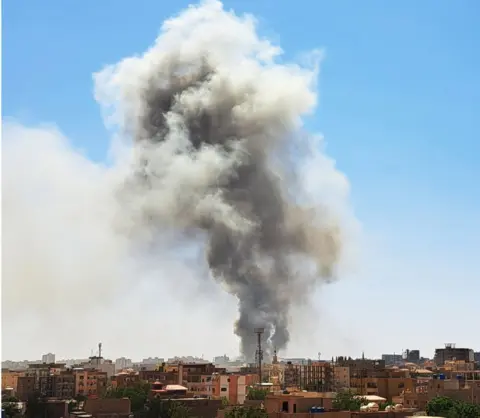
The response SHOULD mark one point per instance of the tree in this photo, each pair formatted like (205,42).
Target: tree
(36,406)
(348,401)
(256,394)
(225,402)
(443,406)
(382,406)
(162,408)
(10,407)
(138,395)
(246,412)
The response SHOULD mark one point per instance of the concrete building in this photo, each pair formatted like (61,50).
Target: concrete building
(125,379)
(166,377)
(10,379)
(64,385)
(298,402)
(25,387)
(48,358)
(123,363)
(314,376)
(392,359)
(107,408)
(91,383)
(100,364)
(451,352)
(341,378)
(385,387)
(412,356)
(233,387)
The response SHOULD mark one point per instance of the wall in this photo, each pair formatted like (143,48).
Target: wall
(103,406)
(10,379)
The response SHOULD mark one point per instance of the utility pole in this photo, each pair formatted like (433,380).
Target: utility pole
(259,353)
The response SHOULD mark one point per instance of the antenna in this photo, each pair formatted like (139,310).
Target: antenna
(259,352)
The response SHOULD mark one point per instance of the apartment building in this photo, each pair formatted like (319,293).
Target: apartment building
(48,358)
(64,385)
(122,363)
(90,382)
(10,379)
(341,377)
(25,387)
(314,376)
(452,353)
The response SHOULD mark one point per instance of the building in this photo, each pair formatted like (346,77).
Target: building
(123,363)
(221,359)
(201,407)
(313,376)
(362,365)
(10,379)
(48,358)
(476,357)
(341,378)
(451,352)
(91,383)
(125,379)
(233,387)
(46,386)
(298,402)
(107,408)
(459,389)
(412,356)
(165,377)
(100,364)
(392,359)
(385,387)
(159,390)
(64,385)
(25,387)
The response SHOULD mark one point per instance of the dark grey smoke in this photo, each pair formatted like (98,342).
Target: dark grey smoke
(215,124)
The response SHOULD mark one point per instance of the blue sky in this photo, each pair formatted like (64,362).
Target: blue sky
(399,109)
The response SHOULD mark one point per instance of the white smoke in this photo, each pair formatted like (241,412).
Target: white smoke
(67,225)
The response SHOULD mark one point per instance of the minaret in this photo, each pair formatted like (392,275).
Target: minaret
(275,358)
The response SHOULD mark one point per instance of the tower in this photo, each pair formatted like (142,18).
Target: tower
(259,352)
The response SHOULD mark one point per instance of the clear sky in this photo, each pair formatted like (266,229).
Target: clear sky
(399,108)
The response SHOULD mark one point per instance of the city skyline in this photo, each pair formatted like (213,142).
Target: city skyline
(398,98)
(399,355)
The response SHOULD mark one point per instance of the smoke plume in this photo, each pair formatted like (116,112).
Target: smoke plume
(219,155)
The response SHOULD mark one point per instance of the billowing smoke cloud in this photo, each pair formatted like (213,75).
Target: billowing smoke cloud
(219,156)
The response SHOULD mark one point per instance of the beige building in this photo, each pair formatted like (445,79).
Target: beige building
(341,377)
(10,379)
(90,383)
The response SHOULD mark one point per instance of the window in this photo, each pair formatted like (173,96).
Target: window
(223,389)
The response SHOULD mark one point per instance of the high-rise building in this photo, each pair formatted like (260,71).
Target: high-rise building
(476,357)
(48,358)
(123,363)
(451,352)
(392,359)
(412,356)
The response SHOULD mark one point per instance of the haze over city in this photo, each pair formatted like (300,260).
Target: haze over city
(388,97)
